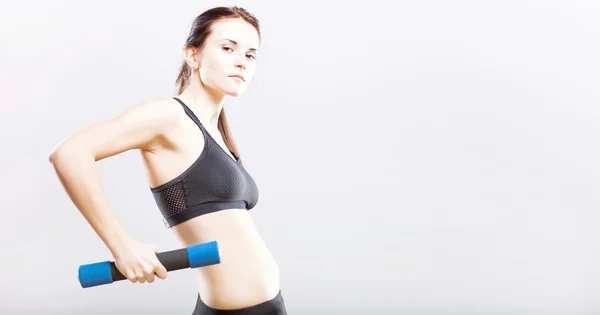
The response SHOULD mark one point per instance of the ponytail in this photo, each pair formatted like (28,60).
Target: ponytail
(183,79)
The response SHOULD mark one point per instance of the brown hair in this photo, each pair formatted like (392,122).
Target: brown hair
(201,28)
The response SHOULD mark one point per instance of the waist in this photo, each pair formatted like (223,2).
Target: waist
(247,274)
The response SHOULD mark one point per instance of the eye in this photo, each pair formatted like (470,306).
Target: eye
(251,56)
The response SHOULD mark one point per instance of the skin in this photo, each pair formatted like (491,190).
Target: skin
(169,142)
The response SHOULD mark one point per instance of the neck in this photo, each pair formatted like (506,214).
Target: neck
(205,102)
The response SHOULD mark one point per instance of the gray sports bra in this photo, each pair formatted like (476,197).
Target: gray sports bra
(213,182)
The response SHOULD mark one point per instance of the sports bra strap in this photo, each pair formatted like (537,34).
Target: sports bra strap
(190,112)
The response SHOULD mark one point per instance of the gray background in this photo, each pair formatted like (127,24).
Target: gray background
(416,157)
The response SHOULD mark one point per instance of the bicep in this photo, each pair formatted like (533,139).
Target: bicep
(137,127)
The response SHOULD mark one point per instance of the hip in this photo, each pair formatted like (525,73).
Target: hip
(273,306)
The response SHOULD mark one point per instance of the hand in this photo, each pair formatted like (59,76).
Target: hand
(137,261)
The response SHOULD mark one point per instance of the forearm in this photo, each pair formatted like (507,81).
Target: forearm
(78,173)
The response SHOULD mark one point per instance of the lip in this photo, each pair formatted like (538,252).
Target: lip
(238,76)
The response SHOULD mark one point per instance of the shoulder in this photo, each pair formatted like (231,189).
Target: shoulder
(161,113)
(162,108)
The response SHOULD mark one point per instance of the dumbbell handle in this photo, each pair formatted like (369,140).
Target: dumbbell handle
(193,256)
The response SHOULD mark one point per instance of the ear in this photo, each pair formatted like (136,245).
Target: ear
(192,57)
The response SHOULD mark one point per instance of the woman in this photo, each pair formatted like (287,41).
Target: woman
(193,168)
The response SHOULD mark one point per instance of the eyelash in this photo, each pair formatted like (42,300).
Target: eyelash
(253,57)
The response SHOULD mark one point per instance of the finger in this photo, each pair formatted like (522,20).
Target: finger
(141,278)
(161,272)
(150,278)
(131,277)
(149,274)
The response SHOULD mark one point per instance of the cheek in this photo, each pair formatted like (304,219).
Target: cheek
(208,75)
(213,70)
(250,74)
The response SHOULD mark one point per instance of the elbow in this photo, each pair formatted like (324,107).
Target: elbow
(66,154)
(57,152)
(60,153)
(56,155)
(69,151)
(53,156)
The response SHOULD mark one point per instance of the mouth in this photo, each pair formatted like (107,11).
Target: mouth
(239,77)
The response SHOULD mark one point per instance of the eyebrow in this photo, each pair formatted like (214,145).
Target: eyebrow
(234,42)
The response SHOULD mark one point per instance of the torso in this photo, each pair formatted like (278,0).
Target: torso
(247,274)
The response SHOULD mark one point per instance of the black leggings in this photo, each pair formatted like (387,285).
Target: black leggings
(274,306)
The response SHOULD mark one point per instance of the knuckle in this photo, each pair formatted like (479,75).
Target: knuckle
(131,277)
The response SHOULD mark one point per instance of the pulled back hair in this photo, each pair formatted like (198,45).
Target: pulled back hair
(200,30)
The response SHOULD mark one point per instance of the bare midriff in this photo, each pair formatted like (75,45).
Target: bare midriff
(247,274)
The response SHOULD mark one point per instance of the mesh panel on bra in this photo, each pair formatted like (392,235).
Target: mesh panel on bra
(171,200)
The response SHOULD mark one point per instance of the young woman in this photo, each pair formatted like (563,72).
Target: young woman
(193,168)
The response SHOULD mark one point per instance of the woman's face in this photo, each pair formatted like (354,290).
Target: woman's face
(230,50)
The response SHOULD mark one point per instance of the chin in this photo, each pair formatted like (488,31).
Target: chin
(234,92)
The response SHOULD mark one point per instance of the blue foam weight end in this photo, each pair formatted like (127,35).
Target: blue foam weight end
(95,274)
(204,254)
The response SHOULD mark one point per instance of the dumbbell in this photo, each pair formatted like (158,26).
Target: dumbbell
(193,256)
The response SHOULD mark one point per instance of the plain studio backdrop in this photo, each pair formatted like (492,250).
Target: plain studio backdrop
(417,157)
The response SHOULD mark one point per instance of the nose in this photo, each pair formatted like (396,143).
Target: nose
(241,63)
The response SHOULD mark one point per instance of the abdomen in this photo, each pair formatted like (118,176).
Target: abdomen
(247,274)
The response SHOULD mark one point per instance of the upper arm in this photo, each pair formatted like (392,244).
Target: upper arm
(139,126)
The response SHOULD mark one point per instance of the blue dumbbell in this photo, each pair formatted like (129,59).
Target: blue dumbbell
(193,256)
